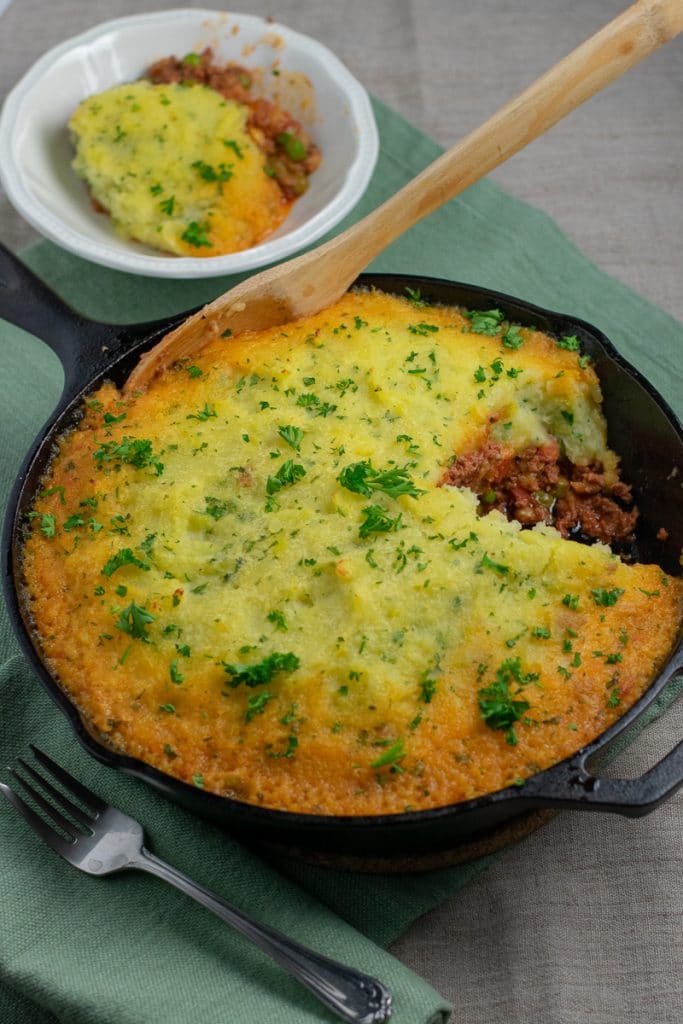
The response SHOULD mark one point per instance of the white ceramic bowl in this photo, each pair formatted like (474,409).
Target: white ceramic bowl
(312,83)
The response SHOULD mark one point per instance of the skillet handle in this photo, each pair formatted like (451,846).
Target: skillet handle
(637,797)
(573,784)
(27,302)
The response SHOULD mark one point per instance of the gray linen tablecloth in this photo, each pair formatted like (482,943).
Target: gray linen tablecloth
(582,921)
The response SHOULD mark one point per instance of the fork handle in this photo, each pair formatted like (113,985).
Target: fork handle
(354,996)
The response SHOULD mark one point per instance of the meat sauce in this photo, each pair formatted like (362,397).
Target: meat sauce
(539,485)
(292,154)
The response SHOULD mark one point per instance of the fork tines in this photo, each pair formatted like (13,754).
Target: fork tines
(58,805)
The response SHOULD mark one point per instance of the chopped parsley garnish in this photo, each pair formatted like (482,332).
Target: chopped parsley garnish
(157,189)
(278,620)
(571,601)
(487,563)
(109,418)
(215,507)
(235,147)
(196,234)
(415,297)
(485,321)
(570,343)
(135,452)
(72,522)
(313,403)
(606,598)
(293,436)
(512,338)
(134,621)
(496,704)
(168,708)
(378,521)
(427,688)
(363,478)
(194,371)
(256,704)
(166,205)
(288,474)
(263,671)
(207,413)
(480,375)
(176,675)
(542,632)
(292,744)
(209,173)
(123,557)
(192,60)
(424,330)
(393,755)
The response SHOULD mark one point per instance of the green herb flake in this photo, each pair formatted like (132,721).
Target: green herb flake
(132,451)
(393,755)
(196,234)
(377,520)
(215,508)
(207,172)
(175,674)
(256,704)
(571,601)
(207,413)
(235,147)
(415,297)
(487,563)
(125,556)
(512,338)
(427,688)
(485,321)
(72,522)
(263,671)
(287,475)
(134,620)
(422,329)
(363,478)
(293,436)
(606,598)
(278,620)
(497,705)
(570,343)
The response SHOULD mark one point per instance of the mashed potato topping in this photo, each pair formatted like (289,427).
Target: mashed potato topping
(176,168)
(256,576)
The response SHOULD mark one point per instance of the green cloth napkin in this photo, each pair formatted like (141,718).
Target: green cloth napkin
(130,950)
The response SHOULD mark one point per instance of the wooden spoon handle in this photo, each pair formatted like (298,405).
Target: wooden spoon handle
(309,282)
(621,44)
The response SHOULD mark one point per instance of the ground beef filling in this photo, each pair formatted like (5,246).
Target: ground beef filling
(538,485)
(292,157)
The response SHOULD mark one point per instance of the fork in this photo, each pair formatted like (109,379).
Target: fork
(100,840)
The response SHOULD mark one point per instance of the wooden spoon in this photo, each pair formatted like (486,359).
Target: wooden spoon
(306,284)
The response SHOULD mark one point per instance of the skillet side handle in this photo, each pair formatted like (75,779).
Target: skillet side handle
(636,797)
(27,302)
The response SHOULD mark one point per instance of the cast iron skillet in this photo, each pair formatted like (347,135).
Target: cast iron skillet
(643,431)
